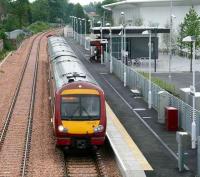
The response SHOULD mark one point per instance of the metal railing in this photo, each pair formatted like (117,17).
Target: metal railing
(137,81)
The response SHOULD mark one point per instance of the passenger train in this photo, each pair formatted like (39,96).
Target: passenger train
(78,103)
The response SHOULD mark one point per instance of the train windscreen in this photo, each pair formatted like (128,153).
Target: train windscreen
(80,107)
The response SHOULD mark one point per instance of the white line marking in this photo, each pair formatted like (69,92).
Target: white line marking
(5,59)
(103,73)
(151,130)
(146,117)
(135,91)
(139,109)
(140,118)
(137,97)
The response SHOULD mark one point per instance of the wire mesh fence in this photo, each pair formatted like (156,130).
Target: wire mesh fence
(137,81)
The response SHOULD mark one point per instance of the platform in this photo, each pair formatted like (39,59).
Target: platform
(157,144)
(130,159)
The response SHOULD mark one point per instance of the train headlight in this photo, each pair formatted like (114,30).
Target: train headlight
(98,129)
(60,128)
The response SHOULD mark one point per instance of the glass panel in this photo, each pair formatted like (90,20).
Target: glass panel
(80,107)
(90,106)
(70,107)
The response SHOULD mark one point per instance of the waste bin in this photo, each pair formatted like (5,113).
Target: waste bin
(171,118)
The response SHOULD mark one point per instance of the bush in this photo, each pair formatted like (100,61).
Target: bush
(163,84)
(3,54)
(38,27)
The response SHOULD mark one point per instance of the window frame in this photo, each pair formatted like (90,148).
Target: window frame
(80,118)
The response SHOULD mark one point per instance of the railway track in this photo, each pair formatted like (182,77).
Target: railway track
(16,133)
(88,164)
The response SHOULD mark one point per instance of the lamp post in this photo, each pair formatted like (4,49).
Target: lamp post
(71,17)
(148,32)
(76,22)
(80,34)
(73,25)
(111,59)
(85,31)
(74,28)
(170,39)
(192,39)
(99,22)
(123,45)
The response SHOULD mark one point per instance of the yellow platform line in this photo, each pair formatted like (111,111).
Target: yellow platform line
(133,147)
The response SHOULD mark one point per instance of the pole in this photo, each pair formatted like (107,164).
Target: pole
(106,52)
(85,34)
(101,45)
(149,93)
(111,60)
(74,26)
(80,31)
(124,55)
(193,105)
(77,29)
(170,42)
(122,44)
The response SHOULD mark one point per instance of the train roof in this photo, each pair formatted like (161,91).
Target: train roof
(66,66)
(69,69)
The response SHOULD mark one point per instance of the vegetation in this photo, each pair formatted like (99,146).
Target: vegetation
(166,38)
(38,27)
(34,17)
(163,84)
(190,27)
(3,54)
(107,15)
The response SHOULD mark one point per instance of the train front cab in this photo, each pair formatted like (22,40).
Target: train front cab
(80,115)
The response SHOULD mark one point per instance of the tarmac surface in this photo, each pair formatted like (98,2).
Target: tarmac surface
(156,143)
(178,64)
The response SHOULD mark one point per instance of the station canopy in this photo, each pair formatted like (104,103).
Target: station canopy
(129,30)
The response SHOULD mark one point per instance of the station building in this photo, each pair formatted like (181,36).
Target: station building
(154,13)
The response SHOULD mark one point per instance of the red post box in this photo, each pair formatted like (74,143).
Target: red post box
(171,118)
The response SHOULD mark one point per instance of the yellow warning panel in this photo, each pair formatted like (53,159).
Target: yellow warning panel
(129,141)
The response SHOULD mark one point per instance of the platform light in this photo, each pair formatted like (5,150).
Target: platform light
(111,59)
(99,22)
(148,32)
(85,31)
(123,45)
(192,40)
(172,16)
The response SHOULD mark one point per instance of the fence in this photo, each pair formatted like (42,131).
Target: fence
(137,81)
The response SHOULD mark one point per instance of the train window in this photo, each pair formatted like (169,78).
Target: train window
(80,107)
(90,106)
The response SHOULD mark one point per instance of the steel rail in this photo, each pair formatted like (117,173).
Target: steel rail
(14,99)
(30,115)
(90,162)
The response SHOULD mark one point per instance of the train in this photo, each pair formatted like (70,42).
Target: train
(77,101)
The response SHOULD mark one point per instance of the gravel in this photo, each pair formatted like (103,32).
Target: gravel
(45,159)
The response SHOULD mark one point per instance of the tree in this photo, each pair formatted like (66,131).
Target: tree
(180,38)
(191,27)
(138,22)
(106,15)
(40,10)
(91,7)
(20,9)
(166,38)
